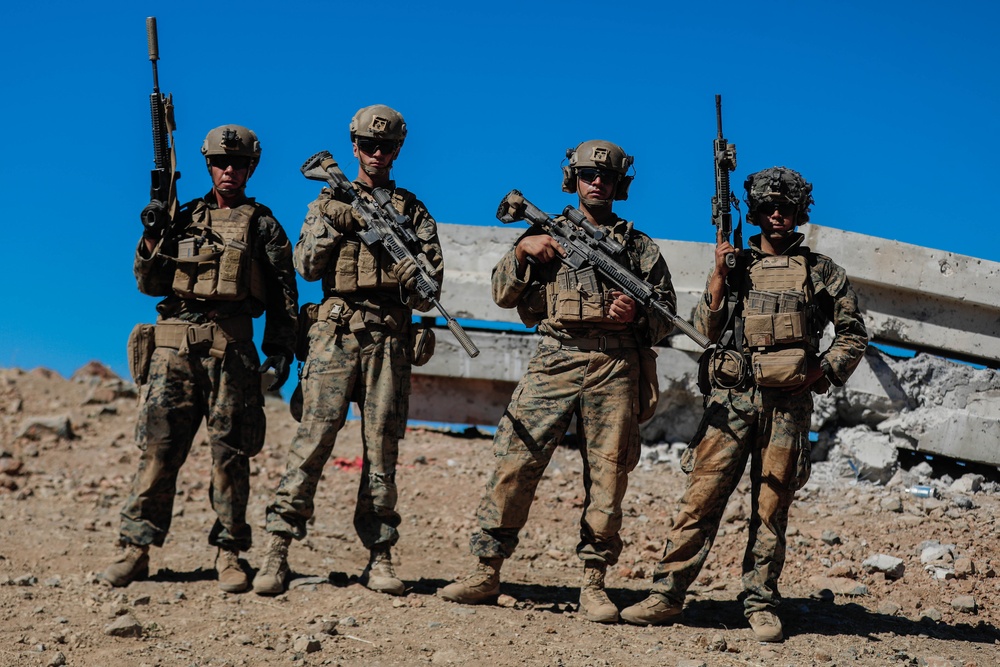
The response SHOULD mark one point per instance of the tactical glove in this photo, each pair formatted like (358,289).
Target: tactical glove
(154,219)
(341,216)
(281,365)
(405,271)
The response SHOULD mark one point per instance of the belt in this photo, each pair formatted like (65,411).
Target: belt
(183,336)
(600,344)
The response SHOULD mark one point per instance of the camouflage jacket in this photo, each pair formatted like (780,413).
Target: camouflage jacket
(524,288)
(317,249)
(271,249)
(834,297)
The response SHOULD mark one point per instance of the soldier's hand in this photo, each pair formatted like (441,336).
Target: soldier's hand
(154,219)
(281,365)
(341,216)
(622,309)
(723,248)
(542,247)
(405,271)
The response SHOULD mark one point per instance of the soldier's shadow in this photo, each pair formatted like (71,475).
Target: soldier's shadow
(806,616)
(165,575)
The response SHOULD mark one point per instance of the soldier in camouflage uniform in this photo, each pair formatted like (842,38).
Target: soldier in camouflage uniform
(587,366)
(220,262)
(777,298)
(359,349)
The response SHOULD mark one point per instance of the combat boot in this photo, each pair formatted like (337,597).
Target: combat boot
(379,575)
(132,564)
(766,626)
(232,578)
(654,610)
(480,585)
(595,605)
(273,574)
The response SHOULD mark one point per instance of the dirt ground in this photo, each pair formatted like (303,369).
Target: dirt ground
(60,496)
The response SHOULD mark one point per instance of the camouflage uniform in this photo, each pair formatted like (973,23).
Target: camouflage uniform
(570,375)
(770,427)
(186,385)
(359,352)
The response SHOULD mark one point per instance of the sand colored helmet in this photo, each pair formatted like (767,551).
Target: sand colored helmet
(378,122)
(600,155)
(781,185)
(232,140)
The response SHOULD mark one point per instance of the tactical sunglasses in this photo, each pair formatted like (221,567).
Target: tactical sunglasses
(225,161)
(372,146)
(786,210)
(589,175)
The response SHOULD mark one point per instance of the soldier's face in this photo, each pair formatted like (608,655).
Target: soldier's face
(595,183)
(776,220)
(379,158)
(229,174)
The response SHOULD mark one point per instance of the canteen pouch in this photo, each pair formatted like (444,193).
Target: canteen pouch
(141,343)
(422,342)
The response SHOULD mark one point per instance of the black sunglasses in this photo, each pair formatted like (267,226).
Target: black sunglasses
(590,174)
(786,210)
(372,146)
(225,161)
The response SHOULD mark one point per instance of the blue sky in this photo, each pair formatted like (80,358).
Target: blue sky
(889,108)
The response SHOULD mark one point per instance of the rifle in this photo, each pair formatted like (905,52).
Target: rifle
(385,227)
(164,175)
(725,162)
(586,244)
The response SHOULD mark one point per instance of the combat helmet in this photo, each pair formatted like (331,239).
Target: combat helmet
(232,140)
(602,155)
(378,122)
(778,184)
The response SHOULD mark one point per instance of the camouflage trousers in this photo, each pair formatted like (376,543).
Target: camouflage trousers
(771,428)
(370,367)
(180,392)
(601,389)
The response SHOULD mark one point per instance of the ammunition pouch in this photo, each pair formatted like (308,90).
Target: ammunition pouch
(422,343)
(577,296)
(141,343)
(214,257)
(649,384)
(211,337)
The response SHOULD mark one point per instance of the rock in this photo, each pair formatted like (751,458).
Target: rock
(964,567)
(34,428)
(968,483)
(934,553)
(506,601)
(93,370)
(306,644)
(873,454)
(965,604)
(838,586)
(889,608)
(830,537)
(891,504)
(890,566)
(125,625)
(931,614)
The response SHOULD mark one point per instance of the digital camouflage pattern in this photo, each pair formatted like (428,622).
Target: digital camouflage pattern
(180,392)
(351,360)
(601,388)
(770,427)
(184,389)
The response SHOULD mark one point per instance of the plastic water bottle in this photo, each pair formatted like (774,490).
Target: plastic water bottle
(922,491)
